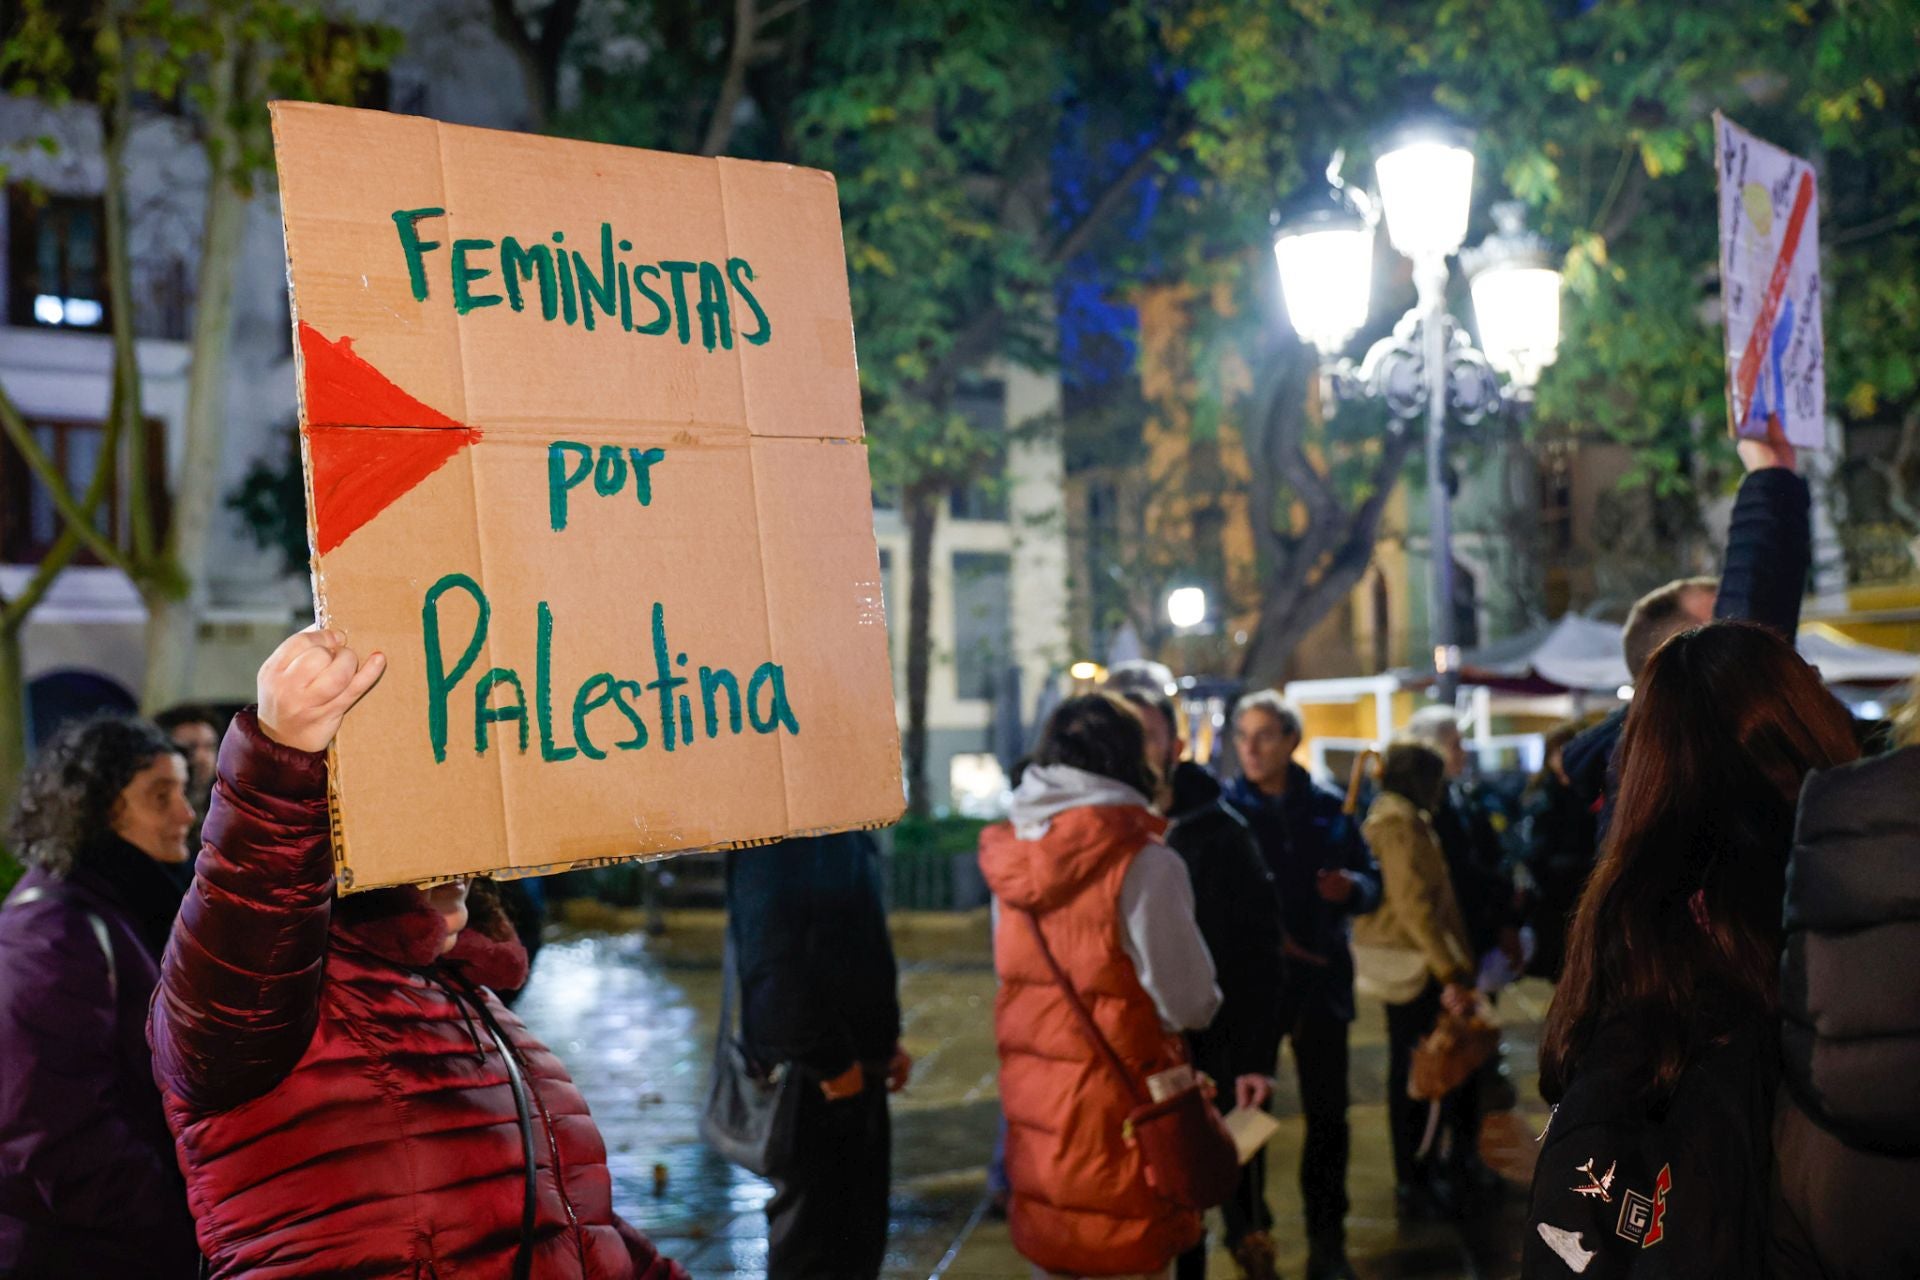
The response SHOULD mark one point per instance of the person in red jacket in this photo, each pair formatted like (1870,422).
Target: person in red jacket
(1081,880)
(348,1097)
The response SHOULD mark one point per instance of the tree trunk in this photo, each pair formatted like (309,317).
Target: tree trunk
(173,615)
(1289,611)
(920,506)
(13,715)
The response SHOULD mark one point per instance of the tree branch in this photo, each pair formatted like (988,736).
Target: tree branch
(555,31)
(726,106)
(977,340)
(1108,202)
(1894,470)
(780,11)
(1622,204)
(538,54)
(79,521)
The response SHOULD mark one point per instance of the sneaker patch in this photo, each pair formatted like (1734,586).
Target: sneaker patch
(1567,1245)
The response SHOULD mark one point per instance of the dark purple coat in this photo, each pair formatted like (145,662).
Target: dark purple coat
(88,1181)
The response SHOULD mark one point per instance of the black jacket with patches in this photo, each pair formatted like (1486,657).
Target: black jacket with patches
(1238,910)
(1848,1128)
(1625,1190)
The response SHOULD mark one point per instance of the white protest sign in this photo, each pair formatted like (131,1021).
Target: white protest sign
(1770,288)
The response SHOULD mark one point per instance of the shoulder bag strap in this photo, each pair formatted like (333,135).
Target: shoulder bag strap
(1092,1029)
(101,932)
(729,979)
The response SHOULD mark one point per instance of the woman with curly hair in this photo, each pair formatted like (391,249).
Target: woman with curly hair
(88,1184)
(348,1095)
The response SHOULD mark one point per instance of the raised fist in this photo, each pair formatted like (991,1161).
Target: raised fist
(307,686)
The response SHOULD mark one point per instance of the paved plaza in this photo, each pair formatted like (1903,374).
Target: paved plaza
(633,1016)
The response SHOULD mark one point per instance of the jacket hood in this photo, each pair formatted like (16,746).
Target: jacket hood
(1047,790)
(1066,827)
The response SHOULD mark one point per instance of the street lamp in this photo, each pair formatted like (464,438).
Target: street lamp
(1516,296)
(1186,607)
(1324,250)
(1427,367)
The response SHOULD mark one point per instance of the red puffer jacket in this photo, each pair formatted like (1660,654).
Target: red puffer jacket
(339,1095)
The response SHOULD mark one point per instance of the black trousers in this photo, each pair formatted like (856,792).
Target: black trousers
(828,1216)
(1459,1123)
(1407,1118)
(1320,1065)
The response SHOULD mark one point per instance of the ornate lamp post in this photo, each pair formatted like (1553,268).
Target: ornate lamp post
(1427,367)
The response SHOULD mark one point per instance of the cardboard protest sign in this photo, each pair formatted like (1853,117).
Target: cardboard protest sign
(581,427)
(1770,288)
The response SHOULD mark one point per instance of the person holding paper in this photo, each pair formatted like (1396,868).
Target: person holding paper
(1238,911)
(1325,877)
(819,994)
(1083,887)
(347,1094)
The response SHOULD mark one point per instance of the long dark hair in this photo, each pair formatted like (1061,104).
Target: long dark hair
(1415,771)
(1678,931)
(1101,733)
(66,800)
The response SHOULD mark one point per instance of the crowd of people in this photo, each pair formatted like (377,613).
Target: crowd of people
(211,1063)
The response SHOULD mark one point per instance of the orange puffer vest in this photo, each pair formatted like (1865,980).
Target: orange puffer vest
(1080,1200)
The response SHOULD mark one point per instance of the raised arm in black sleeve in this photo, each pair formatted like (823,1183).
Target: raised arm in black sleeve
(1769,552)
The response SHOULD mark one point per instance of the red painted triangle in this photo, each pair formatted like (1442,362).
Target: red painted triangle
(368,442)
(345,391)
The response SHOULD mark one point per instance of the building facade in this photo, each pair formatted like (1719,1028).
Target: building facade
(998,589)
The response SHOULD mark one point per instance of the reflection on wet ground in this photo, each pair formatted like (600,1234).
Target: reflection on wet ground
(634,1018)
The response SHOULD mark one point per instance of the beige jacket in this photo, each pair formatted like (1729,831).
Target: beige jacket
(1417,910)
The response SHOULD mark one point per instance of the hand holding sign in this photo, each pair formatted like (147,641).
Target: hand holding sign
(1760,453)
(307,686)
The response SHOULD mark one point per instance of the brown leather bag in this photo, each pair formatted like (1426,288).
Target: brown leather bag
(1190,1158)
(1448,1055)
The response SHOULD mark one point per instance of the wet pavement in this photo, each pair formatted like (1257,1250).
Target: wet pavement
(634,1017)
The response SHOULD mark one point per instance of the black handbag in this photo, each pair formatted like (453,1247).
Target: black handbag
(749,1118)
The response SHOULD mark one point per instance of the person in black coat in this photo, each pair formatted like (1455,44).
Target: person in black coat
(1762,580)
(1558,834)
(1238,911)
(1660,1050)
(1847,1128)
(819,995)
(1325,876)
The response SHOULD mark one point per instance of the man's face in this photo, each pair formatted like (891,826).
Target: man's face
(1163,749)
(1265,746)
(202,745)
(152,813)
(1452,750)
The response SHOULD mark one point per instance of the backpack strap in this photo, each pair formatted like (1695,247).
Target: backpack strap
(101,933)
